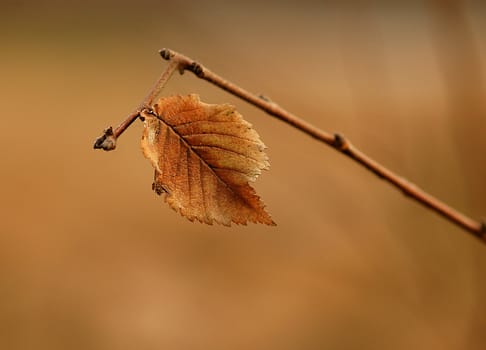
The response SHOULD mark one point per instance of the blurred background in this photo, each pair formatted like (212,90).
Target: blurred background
(91,258)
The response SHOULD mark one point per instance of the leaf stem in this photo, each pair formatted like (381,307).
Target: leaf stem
(338,142)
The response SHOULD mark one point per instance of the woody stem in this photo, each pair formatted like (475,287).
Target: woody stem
(336,141)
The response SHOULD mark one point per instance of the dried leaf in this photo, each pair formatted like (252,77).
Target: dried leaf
(204,155)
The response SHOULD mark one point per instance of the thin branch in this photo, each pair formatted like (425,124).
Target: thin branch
(338,142)
(107,141)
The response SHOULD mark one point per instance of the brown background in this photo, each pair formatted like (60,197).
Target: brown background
(90,258)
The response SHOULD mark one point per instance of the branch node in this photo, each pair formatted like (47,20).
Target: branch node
(107,141)
(482,230)
(166,54)
(340,143)
(267,99)
(196,68)
(147,112)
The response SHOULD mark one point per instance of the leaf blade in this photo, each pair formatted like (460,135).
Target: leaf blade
(204,155)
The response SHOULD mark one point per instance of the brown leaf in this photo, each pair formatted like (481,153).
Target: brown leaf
(204,155)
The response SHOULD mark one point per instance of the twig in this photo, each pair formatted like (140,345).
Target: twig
(107,141)
(337,141)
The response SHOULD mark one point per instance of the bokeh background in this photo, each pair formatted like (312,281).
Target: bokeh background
(91,258)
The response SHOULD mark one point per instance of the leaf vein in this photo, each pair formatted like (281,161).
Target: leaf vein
(226,150)
(222,134)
